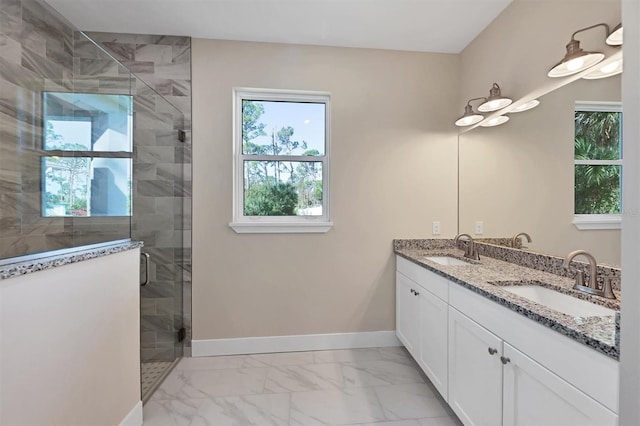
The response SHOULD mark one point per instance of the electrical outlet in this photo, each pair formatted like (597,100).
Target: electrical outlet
(479,228)
(435,227)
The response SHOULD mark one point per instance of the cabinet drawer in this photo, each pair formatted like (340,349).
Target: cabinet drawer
(423,277)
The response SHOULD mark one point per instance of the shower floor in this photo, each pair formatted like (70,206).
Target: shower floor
(151,375)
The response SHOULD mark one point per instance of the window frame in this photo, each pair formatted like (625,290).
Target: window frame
(278,224)
(597,221)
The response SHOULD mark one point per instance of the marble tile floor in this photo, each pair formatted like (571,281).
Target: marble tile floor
(378,386)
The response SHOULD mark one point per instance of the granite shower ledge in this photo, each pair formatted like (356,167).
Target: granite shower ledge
(599,333)
(50,260)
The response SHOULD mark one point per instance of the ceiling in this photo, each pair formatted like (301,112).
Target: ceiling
(446,26)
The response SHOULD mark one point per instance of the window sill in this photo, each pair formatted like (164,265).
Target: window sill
(586,222)
(281,228)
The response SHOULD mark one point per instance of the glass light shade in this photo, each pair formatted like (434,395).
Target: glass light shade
(494,104)
(604,71)
(526,106)
(469,118)
(615,38)
(575,60)
(496,121)
(495,101)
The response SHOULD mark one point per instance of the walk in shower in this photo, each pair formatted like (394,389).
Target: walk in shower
(94,149)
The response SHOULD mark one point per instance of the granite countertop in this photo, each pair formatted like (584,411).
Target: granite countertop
(49,260)
(598,332)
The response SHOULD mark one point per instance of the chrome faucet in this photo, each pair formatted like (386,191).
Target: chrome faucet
(514,240)
(592,287)
(470,250)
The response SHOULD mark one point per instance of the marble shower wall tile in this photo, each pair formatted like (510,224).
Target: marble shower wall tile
(162,166)
(39,51)
(37,55)
(36,46)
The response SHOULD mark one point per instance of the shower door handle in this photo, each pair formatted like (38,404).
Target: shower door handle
(146,269)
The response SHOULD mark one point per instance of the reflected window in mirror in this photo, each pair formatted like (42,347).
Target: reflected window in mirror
(87,161)
(598,165)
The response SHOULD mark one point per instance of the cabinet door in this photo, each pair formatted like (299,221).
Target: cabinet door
(433,340)
(475,371)
(534,395)
(407,314)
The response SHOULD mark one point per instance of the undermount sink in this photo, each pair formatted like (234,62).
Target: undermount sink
(558,301)
(447,260)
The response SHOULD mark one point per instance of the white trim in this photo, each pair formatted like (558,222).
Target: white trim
(597,221)
(306,342)
(135,416)
(629,391)
(281,228)
(598,162)
(598,106)
(283,224)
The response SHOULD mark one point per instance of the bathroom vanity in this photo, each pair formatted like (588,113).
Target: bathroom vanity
(496,355)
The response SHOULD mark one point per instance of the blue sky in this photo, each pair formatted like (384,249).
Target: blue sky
(307,120)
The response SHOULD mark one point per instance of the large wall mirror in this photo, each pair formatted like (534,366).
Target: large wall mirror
(519,177)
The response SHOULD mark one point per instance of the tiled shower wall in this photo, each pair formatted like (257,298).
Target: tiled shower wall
(40,51)
(162,181)
(36,55)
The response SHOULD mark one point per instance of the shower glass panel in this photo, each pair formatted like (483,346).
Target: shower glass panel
(158,217)
(65,154)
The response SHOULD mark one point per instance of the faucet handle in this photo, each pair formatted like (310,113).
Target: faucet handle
(579,279)
(475,254)
(607,288)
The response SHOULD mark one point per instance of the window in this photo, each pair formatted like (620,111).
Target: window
(598,166)
(281,167)
(88,143)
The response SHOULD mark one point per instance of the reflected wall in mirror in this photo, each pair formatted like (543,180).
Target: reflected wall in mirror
(519,177)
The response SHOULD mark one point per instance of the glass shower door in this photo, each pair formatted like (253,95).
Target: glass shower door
(158,221)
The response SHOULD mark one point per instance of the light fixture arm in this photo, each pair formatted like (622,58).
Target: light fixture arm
(475,99)
(602,24)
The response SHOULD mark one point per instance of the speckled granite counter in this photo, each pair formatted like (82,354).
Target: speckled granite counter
(50,260)
(599,332)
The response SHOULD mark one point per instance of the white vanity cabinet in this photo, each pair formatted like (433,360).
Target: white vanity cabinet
(475,371)
(533,395)
(433,341)
(422,328)
(494,366)
(492,383)
(408,313)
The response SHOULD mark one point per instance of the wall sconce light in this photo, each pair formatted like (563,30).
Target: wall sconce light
(495,101)
(469,117)
(576,59)
(604,71)
(496,121)
(615,38)
(526,106)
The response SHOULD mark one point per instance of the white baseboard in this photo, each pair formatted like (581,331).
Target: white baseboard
(305,342)
(134,418)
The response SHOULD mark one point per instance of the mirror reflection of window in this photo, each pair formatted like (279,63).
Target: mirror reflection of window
(598,159)
(88,167)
